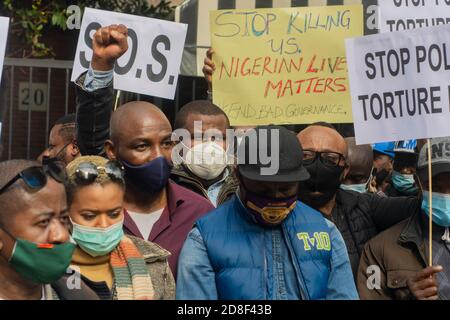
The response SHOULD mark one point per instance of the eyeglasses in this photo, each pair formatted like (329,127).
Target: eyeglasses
(331,159)
(35,178)
(87,172)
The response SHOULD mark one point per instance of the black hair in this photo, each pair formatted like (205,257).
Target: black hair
(68,127)
(203,107)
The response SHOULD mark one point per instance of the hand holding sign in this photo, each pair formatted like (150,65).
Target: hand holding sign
(423,285)
(109,44)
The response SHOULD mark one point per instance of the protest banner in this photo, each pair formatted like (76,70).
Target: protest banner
(398,15)
(152,63)
(399,85)
(283,66)
(4,25)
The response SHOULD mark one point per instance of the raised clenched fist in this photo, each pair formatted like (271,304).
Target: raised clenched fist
(108,45)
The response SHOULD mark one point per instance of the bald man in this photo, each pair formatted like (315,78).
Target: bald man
(358,216)
(137,134)
(360,163)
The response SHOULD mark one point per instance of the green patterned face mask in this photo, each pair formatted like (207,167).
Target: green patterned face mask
(41,262)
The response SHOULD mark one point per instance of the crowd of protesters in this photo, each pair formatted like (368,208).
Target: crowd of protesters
(116,208)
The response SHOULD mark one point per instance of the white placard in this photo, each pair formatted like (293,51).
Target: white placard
(4,24)
(399,15)
(399,83)
(152,63)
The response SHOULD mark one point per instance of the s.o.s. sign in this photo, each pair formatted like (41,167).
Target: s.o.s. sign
(152,63)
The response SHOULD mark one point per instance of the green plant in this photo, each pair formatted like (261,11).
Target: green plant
(30,20)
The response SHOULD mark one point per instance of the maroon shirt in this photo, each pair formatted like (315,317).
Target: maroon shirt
(184,207)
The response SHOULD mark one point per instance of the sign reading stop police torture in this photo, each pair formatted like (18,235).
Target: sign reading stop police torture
(283,66)
(399,84)
(152,63)
(397,15)
(4,24)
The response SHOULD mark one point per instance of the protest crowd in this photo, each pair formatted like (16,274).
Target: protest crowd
(125,205)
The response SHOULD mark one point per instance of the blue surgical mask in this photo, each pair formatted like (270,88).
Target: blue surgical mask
(97,241)
(360,188)
(404,183)
(151,177)
(441,207)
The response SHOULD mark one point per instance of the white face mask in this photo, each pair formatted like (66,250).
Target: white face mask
(206,160)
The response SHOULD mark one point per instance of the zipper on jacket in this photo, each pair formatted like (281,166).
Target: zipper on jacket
(265,269)
(302,285)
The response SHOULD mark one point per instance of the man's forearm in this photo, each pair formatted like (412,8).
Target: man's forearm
(95,99)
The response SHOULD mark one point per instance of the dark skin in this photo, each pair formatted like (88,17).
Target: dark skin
(267,189)
(323,139)
(41,218)
(98,206)
(141,131)
(209,67)
(143,134)
(213,129)
(405,163)
(109,44)
(382,161)
(59,148)
(360,162)
(423,285)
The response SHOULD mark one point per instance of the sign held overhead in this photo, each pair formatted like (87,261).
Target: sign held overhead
(152,62)
(399,85)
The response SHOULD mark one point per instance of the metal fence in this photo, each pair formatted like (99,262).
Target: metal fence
(28,68)
(36,92)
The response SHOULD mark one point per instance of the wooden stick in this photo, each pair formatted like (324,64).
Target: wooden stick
(430,200)
(117,100)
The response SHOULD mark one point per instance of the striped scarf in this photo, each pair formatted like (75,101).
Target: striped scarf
(131,275)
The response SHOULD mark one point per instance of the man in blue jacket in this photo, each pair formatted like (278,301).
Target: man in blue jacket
(264,244)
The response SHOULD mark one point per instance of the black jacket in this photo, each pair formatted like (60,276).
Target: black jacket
(94,110)
(361,216)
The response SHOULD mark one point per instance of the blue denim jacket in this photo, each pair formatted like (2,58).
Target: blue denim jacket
(196,277)
(97,79)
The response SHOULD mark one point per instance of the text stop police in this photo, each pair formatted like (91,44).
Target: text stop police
(394,62)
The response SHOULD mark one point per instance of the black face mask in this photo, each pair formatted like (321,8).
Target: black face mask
(324,179)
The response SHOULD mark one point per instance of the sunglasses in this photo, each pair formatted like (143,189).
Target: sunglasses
(35,178)
(87,172)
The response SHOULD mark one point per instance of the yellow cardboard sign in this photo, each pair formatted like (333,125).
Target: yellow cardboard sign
(284,66)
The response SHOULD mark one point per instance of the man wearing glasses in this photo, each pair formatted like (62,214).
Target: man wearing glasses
(264,244)
(35,251)
(358,216)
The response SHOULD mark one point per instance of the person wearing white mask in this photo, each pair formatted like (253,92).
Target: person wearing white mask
(401,253)
(204,166)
